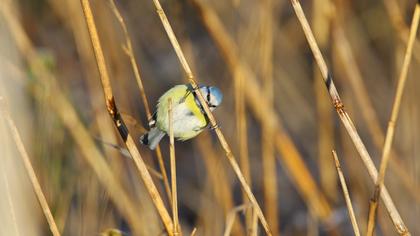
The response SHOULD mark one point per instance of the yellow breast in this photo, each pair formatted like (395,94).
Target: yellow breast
(188,120)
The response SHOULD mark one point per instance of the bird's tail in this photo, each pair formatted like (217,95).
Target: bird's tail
(152,138)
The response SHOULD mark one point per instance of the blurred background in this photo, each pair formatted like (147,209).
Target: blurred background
(276,114)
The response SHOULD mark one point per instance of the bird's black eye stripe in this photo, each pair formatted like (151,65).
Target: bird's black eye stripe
(208,94)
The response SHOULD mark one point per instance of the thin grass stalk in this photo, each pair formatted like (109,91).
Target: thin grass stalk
(212,120)
(346,195)
(346,120)
(128,49)
(391,125)
(30,170)
(119,122)
(263,112)
(174,197)
(356,179)
(267,144)
(193,232)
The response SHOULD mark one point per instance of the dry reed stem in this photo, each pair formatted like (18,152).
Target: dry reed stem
(267,144)
(219,133)
(391,124)
(344,117)
(128,49)
(230,219)
(265,113)
(119,122)
(367,110)
(176,229)
(29,169)
(193,232)
(346,194)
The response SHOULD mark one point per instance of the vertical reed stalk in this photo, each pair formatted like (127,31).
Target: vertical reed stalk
(174,198)
(391,125)
(346,194)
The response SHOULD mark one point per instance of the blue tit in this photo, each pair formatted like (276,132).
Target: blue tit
(189,117)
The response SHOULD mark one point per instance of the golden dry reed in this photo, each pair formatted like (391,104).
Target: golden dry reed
(274,131)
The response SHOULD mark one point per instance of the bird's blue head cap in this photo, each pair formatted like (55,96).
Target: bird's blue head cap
(213,96)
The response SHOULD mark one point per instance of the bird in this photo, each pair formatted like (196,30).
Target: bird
(189,118)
